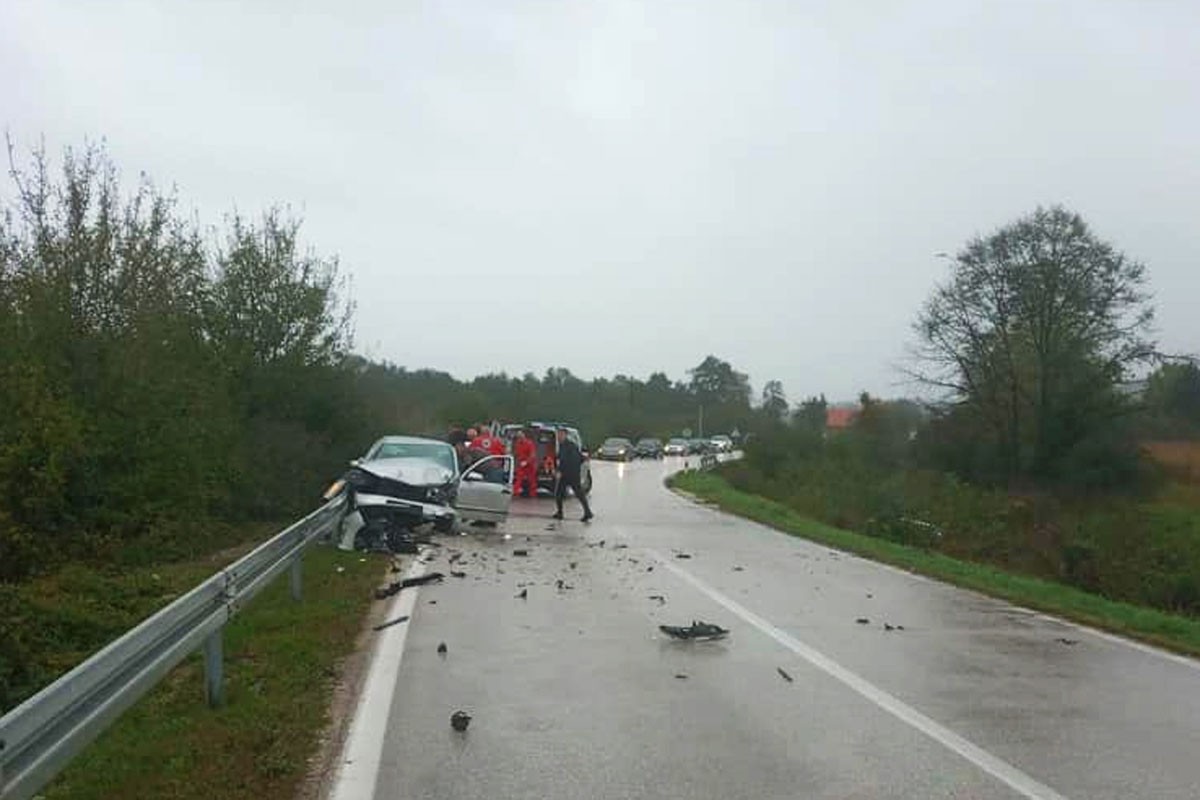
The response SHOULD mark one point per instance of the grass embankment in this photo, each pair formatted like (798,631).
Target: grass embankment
(1172,631)
(281,661)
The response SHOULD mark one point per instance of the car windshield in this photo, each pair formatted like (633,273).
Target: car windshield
(679,441)
(443,454)
(616,442)
(648,441)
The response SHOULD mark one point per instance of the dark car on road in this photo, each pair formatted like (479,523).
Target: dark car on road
(616,449)
(649,448)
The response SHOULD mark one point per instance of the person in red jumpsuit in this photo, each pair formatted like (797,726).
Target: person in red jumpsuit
(525,453)
(488,443)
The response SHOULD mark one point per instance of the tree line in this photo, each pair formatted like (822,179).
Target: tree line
(156,375)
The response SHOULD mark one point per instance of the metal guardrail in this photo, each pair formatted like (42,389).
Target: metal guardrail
(39,737)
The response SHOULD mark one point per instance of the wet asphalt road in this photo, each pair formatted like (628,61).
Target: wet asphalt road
(575,693)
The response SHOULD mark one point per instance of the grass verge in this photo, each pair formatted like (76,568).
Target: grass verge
(1174,632)
(281,665)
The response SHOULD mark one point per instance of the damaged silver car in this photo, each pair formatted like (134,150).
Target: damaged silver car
(406,486)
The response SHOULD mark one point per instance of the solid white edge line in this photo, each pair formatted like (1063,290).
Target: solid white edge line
(358,768)
(1108,636)
(998,768)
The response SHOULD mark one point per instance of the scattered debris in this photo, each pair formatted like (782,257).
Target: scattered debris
(680,676)
(739,569)
(870,596)
(457,574)
(459,720)
(390,623)
(394,587)
(863,621)
(524,593)
(433,602)
(442,649)
(888,627)
(620,547)
(1066,641)
(521,553)
(551,527)
(661,600)
(455,556)
(561,585)
(683,555)
(573,564)
(650,568)
(702,631)
(784,675)
(361,561)
(340,570)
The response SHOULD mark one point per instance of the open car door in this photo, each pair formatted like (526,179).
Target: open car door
(485,490)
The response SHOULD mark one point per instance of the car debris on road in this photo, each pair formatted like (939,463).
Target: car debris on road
(442,649)
(783,674)
(395,586)
(698,631)
(390,623)
(459,720)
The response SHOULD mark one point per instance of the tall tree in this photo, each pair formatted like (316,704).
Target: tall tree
(774,401)
(716,381)
(1031,335)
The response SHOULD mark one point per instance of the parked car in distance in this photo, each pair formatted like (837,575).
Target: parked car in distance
(616,448)
(722,443)
(649,448)
(676,447)
(697,447)
(407,481)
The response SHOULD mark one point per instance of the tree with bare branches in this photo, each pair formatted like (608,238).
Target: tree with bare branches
(1030,340)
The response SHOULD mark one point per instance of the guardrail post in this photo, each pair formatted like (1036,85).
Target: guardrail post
(214,668)
(297,577)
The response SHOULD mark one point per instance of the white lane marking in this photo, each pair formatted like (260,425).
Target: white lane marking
(1113,638)
(363,750)
(1017,780)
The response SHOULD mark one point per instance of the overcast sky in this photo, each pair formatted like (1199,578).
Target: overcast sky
(627,186)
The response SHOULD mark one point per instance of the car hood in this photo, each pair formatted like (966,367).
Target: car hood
(413,471)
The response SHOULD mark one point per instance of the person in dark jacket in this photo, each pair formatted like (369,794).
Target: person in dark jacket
(567,473)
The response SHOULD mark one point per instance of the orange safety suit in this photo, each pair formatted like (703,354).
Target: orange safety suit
(525,454)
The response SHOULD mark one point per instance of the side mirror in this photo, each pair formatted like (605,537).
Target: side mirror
(473,476)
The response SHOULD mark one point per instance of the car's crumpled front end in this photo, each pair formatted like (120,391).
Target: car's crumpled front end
(392,500)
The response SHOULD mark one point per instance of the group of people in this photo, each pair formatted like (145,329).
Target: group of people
(477,443)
